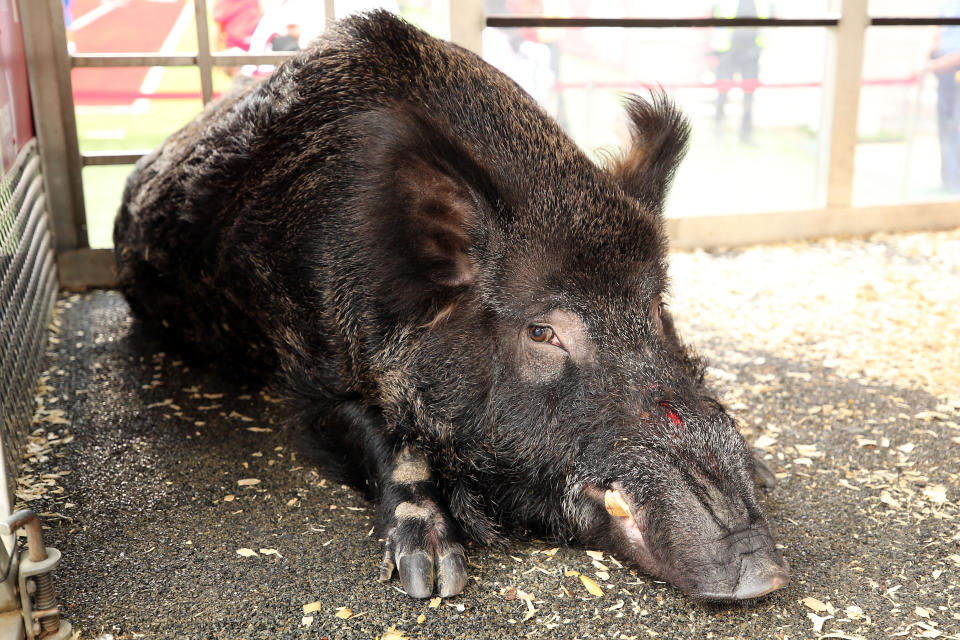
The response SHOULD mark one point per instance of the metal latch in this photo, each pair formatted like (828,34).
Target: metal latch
(38,600)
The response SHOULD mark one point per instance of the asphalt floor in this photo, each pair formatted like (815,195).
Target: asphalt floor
(185,509)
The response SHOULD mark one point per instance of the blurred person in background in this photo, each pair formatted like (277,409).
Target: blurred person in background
(236,21)
(738,54)
(522,54)
(945,65)
(286,25)
(68,22)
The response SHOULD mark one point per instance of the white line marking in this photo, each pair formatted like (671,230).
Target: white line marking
(96,14)
(152,80)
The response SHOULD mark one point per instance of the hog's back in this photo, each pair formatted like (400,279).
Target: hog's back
(238,234)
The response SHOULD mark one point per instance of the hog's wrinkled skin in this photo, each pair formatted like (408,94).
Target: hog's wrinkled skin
(453,295)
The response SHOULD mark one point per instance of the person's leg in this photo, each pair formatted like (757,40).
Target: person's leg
(947,128)
(953,139)
(749,71)
(724,76)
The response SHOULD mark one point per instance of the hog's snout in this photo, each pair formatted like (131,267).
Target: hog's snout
(750,567)
(688,546)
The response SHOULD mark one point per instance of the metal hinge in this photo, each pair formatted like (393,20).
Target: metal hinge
(30,577)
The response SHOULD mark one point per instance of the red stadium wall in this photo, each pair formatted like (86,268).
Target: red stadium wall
(16,124)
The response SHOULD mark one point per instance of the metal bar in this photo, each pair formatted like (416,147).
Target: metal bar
(329,13)
(230,59)
(102,158)
(204,57)
(79,60)
(543,21)
(844,76)
(109,60)
(914,22)
(466,24)
(48,66)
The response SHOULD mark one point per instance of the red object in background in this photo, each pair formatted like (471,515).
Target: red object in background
(16,123)
(135,26)
(237,19)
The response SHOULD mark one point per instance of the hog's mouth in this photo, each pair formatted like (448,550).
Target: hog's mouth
(753,568)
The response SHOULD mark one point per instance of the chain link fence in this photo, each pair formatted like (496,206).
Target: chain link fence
(28,289)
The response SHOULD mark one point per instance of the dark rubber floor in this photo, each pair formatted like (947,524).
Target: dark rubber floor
(138,462)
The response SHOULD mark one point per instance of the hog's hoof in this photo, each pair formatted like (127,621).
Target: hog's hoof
(421,548)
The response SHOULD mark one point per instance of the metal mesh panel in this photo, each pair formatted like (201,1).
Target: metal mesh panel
(28,287)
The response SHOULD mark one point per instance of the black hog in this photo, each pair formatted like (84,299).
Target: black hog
(443,285)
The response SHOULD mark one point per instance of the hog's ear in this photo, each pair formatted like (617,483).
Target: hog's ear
(424,203)
(659,134)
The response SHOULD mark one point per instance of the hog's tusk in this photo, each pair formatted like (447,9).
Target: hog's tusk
(615,504)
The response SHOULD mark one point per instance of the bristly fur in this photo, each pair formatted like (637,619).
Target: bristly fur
(660,134)
(378,227)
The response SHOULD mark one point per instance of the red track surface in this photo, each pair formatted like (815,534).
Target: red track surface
(139,26)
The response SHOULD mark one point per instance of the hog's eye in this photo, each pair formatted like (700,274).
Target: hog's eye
(540,333)
(545,334)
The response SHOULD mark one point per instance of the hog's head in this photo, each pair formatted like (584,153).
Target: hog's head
(558,393)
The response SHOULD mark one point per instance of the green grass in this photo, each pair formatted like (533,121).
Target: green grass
(102,188)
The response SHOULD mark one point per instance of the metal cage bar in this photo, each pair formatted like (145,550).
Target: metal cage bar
(51,96)
(109,60)
(657,23)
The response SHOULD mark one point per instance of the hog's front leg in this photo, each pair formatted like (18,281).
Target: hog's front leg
(418,530)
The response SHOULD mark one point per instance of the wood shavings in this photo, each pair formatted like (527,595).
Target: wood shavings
(853,612)
(435,602)
(344,613)
(306,621)
(312,607)
(270,552)
(764,442)
(596,555)
(592,587)
(808,451)
(818,621)
(247,553)
(817,606)
(248,482)
(936,493)
(836,316)
(889,500)
(392,633)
